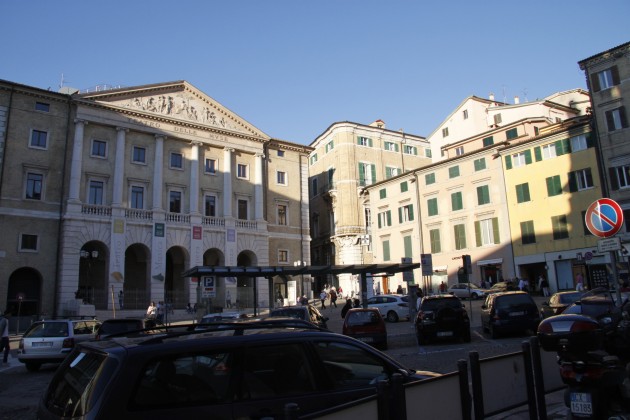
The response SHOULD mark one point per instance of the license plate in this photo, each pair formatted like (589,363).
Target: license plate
(445,333)
(43,344)
(581,403)
(520,313)
(366,339)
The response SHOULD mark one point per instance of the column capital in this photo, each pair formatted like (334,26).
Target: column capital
(126,130)
(196,143)
(160,136)
(259,155)
(229,149)
(80,121)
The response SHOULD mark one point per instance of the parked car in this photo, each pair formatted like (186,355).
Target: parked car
(367,325)
(442,317)
(118,326)
(392,307)
(50,341)
(507,312)
(252,371)
(502,286)
(558,302)
(305,312)
(467,290)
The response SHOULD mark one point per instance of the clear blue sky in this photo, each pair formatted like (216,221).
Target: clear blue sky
(293,67)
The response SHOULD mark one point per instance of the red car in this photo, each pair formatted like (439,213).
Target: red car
(367,325)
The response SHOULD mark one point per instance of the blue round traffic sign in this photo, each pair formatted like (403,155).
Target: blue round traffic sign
(604,217)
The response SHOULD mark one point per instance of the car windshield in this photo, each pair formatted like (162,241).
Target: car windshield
(48,329)
(361,318)
(120,327)
(435,304)
(291,313)
(513,300)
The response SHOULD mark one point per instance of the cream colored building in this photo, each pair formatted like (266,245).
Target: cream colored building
(154,180)
(347,158)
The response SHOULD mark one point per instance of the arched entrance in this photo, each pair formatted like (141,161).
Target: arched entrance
(175,290)
(245,285)
(93,269)
(24,283)
(136,285)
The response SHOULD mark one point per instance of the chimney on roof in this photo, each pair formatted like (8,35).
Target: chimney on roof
(516,100)
(491,97)
(378,123)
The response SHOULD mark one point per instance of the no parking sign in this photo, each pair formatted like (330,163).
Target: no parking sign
(604,217)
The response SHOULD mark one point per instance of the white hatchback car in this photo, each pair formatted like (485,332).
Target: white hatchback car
(391,307)
(465,290)
(52,340)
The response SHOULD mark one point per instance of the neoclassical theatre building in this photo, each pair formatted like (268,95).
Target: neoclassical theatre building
(121,190)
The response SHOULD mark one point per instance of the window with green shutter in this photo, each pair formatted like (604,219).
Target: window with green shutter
(483,195)
(386,256)
(329,146)
(427,152)
(453,172)
(480,164)
(429,179)
(408,247)
(434,235)
(560,227)
(538,154)
(554,187)
(522,193)
(405,213)
(508,162)
(364,141)
(456,201)
(460,236)
(488,141)
(404,187)
(563,147)
(511,133)
(313,158)
(432,206)
(382,193)
(527,232)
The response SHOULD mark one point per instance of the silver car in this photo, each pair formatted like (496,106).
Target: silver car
(391,307)
(465,290)
(51,341)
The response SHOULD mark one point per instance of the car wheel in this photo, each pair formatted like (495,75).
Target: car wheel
(493,332)
(474,296)
(392,316)
(32,367)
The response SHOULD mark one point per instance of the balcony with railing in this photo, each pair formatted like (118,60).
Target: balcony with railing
(178,218)
(96,210)
(246,224)
(138,214)
(213,221)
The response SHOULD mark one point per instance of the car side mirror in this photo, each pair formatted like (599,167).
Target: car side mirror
(484,306)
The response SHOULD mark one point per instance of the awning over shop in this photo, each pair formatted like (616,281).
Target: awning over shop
(490,262)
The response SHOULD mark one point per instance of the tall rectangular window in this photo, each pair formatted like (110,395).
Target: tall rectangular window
(367,173)
(578,143)
(282,214)
(456,201)
(554,187)
(580,180)
(405,213)
(99,148)
(34,184)
(391,146)
(382,193)
(242,209)
(432,206)
(176,161)
(39,139)
(386,253)
(480,164)
(385,218)
(210,166)
(465,114)
(313,158)
(314,187)
(487,231)
(620,177)
(241,171)
(605,79)
(175,202)
(329,146)
(137,197)
(527,232)
(549,151)
(95,195)
(483,195)
(460,236)
(453,172)
(429,179)
(459,150)
(281,178)
(404,187)
(522,193)
(616,119)
(560,227)
(445,132)
(210,206)
(139,155)
(283,256)
(407,243)
(410,150)
(436,246)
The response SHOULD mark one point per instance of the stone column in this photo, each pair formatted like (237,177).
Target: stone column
(194,179)
(158,166)
(258,187)
(77,160)
(119,167)
(227,182)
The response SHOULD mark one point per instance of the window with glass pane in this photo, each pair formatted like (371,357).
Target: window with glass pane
(242,209)
(480,164)
(578,143)
(385,218)
(404,186)
(527,232)
(411,150)
(177,161)
(281,178)
(211,166)
(622,175)
(96,192)
(390,147)
(408,246)
(28,242)
(456,201)
(580,180)
(282,214)
(34,184)
(139,154)
(382,193)
(459,151)
(99,148)
(241,170)
(432,206)
(560,227)
(175,202)
(363,141)
(427,152)
(487,231)
(283,255)
(434,235)
(511,133)
(549,151)
(554,187)
(329,146)
(210,205)
(280,153)
(406,213)
(616,119)
(313,158)
(39,139)
(518,159)
(483,195)
(465,114)
(488,141)
(137,197)
(429,179)
(453,171)
(445,132)
(522,193)
(460,236)
(41,106)
(605,79)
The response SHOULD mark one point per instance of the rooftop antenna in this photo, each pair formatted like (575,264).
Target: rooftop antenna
(61,81)
(504,97)
(525,95)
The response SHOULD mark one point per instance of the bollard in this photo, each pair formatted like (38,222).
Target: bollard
(529,380)
(464,395)
(539,383)
(477,388)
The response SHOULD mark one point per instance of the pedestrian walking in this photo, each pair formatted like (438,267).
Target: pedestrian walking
(322,298)
(121,298)
(4,339)
(346,308)
(333,298)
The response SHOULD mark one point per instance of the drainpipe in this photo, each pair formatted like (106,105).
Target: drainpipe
(6,137)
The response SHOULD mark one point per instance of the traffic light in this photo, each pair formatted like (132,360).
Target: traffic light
(467,264)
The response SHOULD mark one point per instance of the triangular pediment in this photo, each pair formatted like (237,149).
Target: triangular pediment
(174,101)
